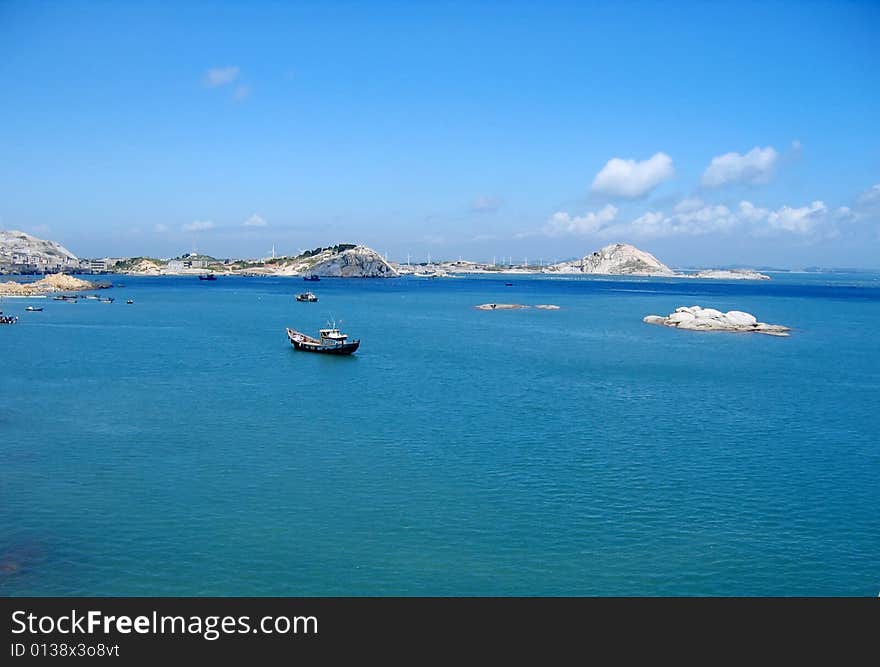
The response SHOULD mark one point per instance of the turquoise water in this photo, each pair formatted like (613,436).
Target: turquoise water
(179,446)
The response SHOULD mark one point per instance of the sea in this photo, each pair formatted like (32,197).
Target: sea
(179,446)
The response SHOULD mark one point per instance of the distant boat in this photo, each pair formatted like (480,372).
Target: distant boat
(109,299)
(130,301)
(331,342)
(312,278)
(33,309)
(508,284)
(7,319)
(207,276)
(65,297)
(306,296)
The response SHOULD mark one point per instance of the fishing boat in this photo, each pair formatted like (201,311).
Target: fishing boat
(312,278)
(207,276)
(331,342)
(33,309)
(306,296)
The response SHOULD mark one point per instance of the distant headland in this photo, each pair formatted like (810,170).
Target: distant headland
(21,253)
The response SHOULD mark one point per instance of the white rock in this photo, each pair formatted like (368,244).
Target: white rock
(709,319)
(734,274)
(681,317)
(740,319)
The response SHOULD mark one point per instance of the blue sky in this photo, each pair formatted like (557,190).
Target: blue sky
(706,133)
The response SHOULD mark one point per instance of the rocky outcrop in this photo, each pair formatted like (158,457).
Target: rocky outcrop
(731,274)
(514,306)
(620,259)
(357,262)
(56,282)
(141,266)
(18,248)
(696,318)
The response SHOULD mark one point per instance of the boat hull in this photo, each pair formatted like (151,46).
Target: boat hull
(308,344)
(344,348)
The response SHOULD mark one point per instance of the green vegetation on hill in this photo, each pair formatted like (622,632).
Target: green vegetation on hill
(128,264)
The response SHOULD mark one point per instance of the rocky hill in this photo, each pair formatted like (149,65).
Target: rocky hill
(619,259)
(357,262)
(21,249)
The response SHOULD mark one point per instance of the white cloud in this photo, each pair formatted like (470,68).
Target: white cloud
(755,167)
(802,220)
(198,226)
(485,204)
(255,221)
(813,220)
(221,76)
(870,197)
(629,179)
(689,204)
(844,213)
(241,93)
(160,228)
(687,221)
(561,223)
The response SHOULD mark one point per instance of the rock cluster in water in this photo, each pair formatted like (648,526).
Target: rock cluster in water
(731,274)
(514,306)
(696,318)
(56,282)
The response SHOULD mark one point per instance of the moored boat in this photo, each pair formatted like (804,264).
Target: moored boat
(33,309)
(312,278)
(307,296)
(207,276)
(332,341)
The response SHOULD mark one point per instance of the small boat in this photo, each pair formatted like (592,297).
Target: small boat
(109,299)
(508,284)
(331,342)
(65,297)
(130,301)
(207,276)
(33,309)
(7,319)
(312,278)
(306,296)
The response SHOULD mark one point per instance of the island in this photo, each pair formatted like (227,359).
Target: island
(55,282)
(696,318)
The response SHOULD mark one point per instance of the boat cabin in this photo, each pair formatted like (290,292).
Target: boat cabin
(332,336)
